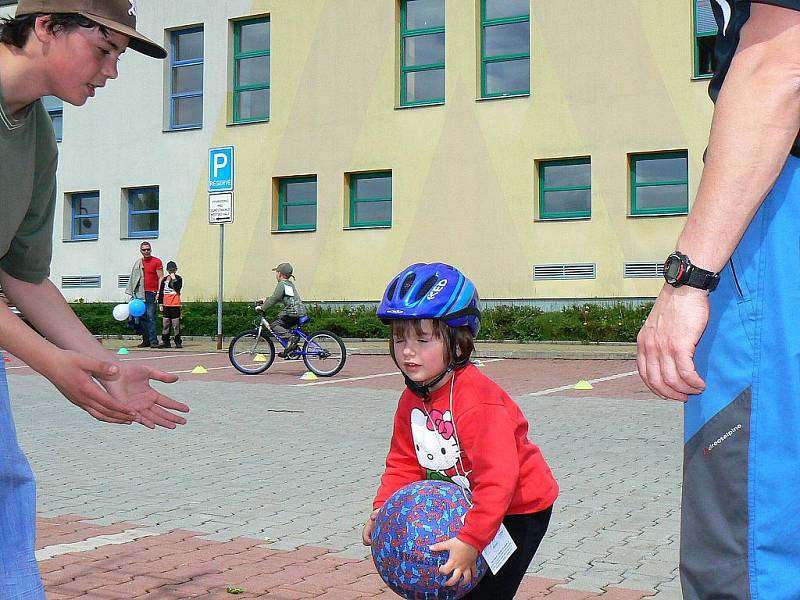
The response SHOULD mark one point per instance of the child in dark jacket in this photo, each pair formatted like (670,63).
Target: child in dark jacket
(169,301)
(455,424)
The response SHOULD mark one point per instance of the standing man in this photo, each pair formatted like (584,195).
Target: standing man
(68,49)
(143,283)
(724,336)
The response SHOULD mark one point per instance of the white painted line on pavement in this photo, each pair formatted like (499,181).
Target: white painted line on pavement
(376,375)
(129,535)
(572,385)
(140,358)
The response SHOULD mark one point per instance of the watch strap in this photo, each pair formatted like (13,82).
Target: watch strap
(702,279)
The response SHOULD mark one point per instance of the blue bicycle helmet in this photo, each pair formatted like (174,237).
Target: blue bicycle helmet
(432,291)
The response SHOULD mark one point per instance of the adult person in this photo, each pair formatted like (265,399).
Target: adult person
(731,353)
(143,283)
(68,49)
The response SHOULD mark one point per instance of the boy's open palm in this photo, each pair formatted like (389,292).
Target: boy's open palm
(132,389)
(461,562)
(76,376)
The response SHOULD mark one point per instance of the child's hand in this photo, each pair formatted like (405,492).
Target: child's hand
(366,534)
(461,562)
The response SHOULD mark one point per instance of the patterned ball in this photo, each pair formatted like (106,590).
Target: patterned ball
(416,516)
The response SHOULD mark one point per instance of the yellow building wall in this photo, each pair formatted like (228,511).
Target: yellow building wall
(608,79)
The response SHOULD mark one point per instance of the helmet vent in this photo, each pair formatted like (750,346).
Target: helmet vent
(426,287)
(407,283)
(392,288)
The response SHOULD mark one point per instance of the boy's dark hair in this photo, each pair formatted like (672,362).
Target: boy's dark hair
(454,339)
(15,30)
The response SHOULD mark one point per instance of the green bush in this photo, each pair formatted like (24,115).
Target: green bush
(585,323)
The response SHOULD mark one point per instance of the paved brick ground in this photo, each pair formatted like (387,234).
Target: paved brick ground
(268,486)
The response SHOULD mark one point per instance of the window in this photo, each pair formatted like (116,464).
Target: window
(55,108)
(659,183)
(85,215)
(565,189)
(505,48)
(297,203)
(421,52)
(186,79)
(371,199)
(251,60)
(705,33)
(143,212)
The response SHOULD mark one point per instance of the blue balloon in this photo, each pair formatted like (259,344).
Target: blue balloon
(136,307)
(416,516)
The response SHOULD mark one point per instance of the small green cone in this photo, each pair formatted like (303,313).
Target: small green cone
(122,351)
(583,385)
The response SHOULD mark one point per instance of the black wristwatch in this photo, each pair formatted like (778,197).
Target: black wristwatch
(679,270)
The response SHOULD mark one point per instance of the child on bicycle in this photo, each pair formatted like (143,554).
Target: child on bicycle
(293,307)
(453,423)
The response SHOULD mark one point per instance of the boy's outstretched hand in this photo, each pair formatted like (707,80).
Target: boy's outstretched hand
(461,562)
(132,389)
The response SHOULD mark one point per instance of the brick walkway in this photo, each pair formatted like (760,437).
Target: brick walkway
(268,486)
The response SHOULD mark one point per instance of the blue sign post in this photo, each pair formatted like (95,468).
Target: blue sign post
(220,169)
(220,179)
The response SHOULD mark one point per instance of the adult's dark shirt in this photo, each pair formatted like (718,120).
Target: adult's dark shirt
(731,15)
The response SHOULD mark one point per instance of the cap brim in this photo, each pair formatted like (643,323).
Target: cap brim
(136,42)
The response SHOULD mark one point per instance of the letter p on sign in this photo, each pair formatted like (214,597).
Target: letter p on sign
(220,169)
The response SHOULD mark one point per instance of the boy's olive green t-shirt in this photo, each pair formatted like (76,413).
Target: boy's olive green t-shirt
(28,160)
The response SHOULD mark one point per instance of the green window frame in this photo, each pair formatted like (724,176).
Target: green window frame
(502,60)
(256,89)
(409,36)
(705,35)
(547,189)
(643,183)
(362,197)
(287,202)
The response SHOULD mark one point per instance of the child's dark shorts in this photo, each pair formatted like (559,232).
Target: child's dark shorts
(172,312)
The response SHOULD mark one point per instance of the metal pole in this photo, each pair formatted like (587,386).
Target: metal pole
(219,291)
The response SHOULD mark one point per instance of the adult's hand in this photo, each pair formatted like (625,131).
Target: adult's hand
(132,389)
(461,561)
(76,376)
(667,341)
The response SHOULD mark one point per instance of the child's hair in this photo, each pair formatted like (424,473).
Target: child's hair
(15,30)
(458,340)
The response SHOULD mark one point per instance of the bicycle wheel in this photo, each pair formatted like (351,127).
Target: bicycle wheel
(324,353)
(251,353)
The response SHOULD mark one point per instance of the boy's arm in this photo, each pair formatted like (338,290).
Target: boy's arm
(177,284)
(71,357)
(755,122)
(276,297)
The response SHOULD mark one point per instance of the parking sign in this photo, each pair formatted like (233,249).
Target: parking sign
(220,169)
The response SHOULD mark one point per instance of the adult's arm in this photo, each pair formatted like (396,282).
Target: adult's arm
(756,120)
(71,358)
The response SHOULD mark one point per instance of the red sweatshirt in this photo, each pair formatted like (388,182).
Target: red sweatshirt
(504,470)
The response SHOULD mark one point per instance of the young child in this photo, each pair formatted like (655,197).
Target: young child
(293,308)
(68,49)
(169,301)
(453,423)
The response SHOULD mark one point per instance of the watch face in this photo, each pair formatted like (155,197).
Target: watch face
(673,269)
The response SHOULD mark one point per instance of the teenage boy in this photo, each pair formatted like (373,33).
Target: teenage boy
(68,49)
(169,302)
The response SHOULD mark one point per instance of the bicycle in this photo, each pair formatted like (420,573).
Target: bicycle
(252,352)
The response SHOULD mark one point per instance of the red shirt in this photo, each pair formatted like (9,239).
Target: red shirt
(150,265)
(505,471)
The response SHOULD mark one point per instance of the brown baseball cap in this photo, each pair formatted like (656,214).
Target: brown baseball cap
(117,15)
